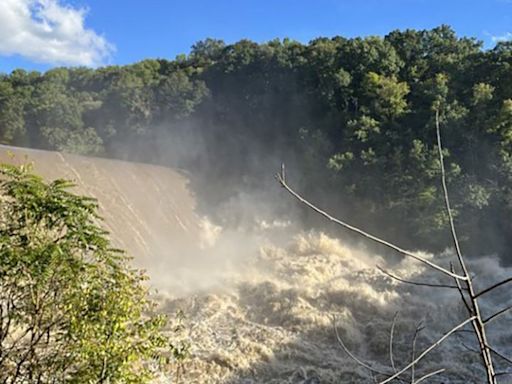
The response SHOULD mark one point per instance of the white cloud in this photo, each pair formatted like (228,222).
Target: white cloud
(505,37)
(48,31)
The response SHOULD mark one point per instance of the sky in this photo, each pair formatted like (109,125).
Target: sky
(42,34)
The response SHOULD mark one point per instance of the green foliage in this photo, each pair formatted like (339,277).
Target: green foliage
(179,96)
(503,125)
(482,93)
(85,141)
(354,111)
(71,310)
(388,95)
(340,160)
(12,124)
(364,127)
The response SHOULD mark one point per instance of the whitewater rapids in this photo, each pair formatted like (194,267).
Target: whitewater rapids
(259,308)
(272,322)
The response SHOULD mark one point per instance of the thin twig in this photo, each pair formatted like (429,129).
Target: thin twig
(425,377)
(350,354)
(503,373)
(284,184)
(493,287)
(417,331)
(499,313)
(473,350)
(465,331)
(424,284)
(391,334)
(428,350)
(447,198)
(501,355)
(461,293)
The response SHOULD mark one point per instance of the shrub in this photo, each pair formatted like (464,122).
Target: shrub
(71,308)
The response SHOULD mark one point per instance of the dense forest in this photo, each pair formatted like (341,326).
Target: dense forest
(352,118)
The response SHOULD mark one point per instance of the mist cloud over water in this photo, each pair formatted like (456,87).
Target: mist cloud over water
(272,321)
(259,291)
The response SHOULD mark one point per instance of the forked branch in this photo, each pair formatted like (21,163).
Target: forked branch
(463,281)
(282,180)
(428,375)
(350,354)
(419,283)
(472,304)
(501,355)
(492,287)
(447,198)
(497,314)
(428,350)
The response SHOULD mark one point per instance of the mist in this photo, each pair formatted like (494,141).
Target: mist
(258,286)
(182,157)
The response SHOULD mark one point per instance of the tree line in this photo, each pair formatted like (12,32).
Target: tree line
(354,115)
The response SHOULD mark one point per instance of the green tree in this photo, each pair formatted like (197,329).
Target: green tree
(12,124)
(55,117)
(387,94)
(357,104)
(71,309)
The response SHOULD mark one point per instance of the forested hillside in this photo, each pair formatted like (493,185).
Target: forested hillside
(352,118)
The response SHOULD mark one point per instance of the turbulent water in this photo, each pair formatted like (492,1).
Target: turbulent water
(261,305)
(273,322)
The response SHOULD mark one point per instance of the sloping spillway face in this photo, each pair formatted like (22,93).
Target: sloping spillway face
(148,209)
(258,311)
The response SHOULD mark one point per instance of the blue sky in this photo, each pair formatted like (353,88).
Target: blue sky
(41,34)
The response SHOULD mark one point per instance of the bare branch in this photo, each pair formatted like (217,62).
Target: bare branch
(350,354)
(284,184)
(446,197)
(499,313)
(433,285)
(466,289)
(428,350)
(417,331)
(428,375)
(470,349)
(503,373)
(461,293)
(465,331)
(474,308)
(508,280)
(501,355)
(391,334)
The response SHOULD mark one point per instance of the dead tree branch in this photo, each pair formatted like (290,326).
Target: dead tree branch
(497,314)
(417,331)
(463,282)
(281,178)
(447,198)
(461,293)
(501,355)
(428,350)
(424,284)
(428,375)
(350,354)
(391,334)
(473,308)
(492,287)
